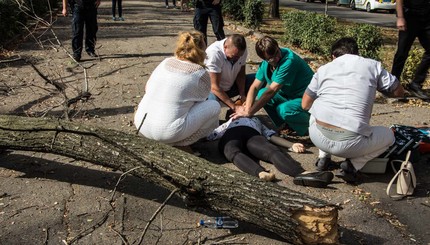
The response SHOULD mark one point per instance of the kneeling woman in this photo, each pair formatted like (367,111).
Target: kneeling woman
(174,109)
(245,141)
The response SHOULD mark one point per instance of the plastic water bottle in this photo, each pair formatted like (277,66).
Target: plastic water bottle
(219,223)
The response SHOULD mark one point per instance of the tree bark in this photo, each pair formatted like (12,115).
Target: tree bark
(298,218)
(274,9)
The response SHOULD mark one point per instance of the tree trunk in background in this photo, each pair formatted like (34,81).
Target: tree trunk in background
(298,218)
(274,9)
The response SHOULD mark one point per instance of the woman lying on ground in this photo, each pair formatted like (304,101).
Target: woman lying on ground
(245,141)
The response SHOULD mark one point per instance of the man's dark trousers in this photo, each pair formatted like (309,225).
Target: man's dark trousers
(417,27)
(204,11)
(84,16)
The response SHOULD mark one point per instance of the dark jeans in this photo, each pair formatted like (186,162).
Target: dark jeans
(234,90)
(84,16)
(203,12)
(173,1)
(244,146)
(416,27)
(119,8)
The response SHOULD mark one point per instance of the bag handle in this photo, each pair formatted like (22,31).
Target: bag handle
(403,167)
(400,161)
(391,183)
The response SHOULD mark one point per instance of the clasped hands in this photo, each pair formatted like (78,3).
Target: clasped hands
(240,111)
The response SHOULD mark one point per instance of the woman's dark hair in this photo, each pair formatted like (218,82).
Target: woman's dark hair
(266,46)
(345,45)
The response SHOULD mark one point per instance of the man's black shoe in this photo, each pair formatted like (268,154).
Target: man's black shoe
(351,178)
(347,172)
(315,179)
(347,166)
(416,90)
(323,164)
(92,54)
(77,57)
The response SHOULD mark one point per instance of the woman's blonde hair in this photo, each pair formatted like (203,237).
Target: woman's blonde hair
(191,46)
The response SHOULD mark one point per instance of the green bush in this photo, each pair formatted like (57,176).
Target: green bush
(293,30)
(411,65)
(317,32)
(311,31)
(233,9)
(253,11)
(369,39)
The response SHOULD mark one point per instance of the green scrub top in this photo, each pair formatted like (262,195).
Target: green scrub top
(292,72)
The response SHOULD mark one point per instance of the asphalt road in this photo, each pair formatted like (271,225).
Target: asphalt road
(380,18)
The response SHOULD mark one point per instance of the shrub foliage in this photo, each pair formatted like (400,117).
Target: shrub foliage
(233,9)
(412,64)
(250,12)
(317,32)
(309,30)
(369,39)
(253,11)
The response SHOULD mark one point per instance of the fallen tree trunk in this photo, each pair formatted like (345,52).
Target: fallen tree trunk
(298,218)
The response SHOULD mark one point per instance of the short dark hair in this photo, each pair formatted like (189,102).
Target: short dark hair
(238,41)
(266,46)
(345,45)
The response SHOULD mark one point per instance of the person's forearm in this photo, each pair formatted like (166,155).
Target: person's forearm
(218,91)
(399,9)
(223,97)
(240,82)
(267,95)
(250,98)
(398,92)
(64,12)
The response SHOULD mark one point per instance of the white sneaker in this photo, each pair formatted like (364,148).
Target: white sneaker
(167,6)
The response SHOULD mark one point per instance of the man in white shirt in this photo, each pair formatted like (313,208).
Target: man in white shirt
(225,62)
(340,99)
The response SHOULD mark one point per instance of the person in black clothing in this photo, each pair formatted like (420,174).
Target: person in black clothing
(413,20)
(84,14)
(167,3)
(114,3)
(209,9)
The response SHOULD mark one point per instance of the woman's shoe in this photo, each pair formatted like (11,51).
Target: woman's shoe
(314,179)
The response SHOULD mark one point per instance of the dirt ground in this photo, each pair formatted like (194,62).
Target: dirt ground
(50,199)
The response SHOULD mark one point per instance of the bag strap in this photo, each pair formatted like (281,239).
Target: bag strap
(402,168)
(391,183)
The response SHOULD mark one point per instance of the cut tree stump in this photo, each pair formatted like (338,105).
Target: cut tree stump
(297,217)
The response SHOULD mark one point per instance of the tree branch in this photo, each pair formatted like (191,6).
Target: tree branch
(298,218)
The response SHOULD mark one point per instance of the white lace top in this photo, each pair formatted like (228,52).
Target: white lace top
(174,105)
